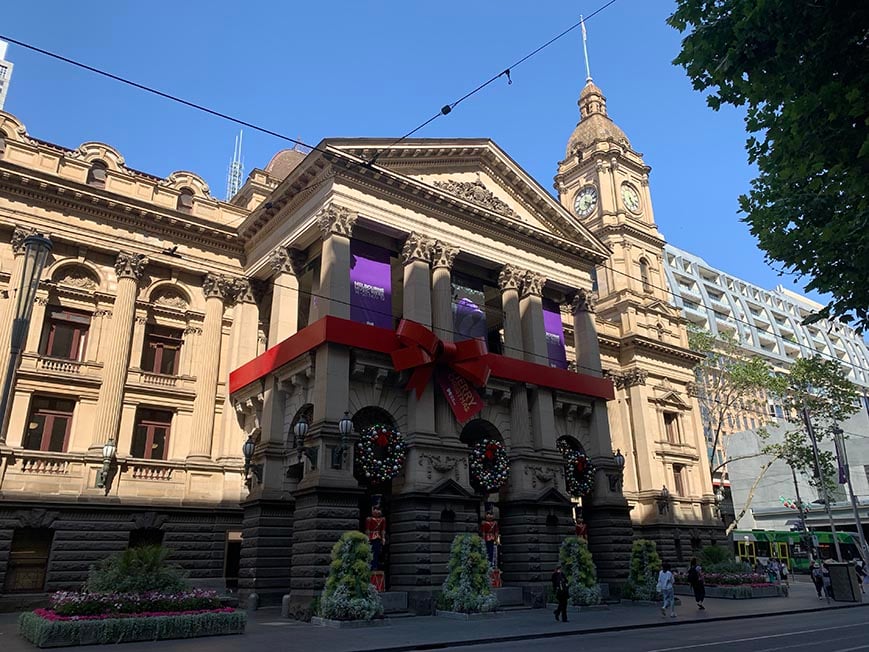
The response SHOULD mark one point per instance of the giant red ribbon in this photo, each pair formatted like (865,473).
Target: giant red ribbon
(460,366)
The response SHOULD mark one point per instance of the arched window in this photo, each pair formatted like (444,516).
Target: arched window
(185,200)
(97,174)
(644,275)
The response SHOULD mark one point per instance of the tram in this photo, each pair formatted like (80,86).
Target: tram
(753,546)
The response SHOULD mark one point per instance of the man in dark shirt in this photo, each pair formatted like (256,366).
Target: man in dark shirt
(559,587)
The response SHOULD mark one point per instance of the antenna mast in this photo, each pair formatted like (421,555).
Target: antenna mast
(236,169)
(585,49)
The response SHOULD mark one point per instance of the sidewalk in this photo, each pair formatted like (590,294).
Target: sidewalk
(267,630)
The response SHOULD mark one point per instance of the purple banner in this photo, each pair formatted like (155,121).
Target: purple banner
(370,285)
(554,328)
(469,316)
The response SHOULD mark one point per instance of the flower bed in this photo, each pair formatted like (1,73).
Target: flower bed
(70,603)
(739,592)
(728,579)
(45,628)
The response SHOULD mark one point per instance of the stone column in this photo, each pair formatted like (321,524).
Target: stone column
(510,281)
(129,269)
(585,341)
(416,256)
(284,320)
(442,324)
(217,289)
(18,236)
(534,341)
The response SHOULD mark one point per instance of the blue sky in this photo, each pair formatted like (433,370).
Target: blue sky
(314,70)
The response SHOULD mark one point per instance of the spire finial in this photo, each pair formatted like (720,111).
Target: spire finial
(585,50)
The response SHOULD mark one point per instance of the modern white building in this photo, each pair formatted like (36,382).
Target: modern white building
(5,73)
(768,323)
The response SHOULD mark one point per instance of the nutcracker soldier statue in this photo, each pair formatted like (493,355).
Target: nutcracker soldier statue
(492,538)
(375,528)
(581,525)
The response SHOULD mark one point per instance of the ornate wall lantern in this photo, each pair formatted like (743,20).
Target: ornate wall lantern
(251,470)
(345,428)
(109,451)
(615,479)
(300,433)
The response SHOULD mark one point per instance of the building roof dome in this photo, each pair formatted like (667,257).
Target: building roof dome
(594,123)
(284,162)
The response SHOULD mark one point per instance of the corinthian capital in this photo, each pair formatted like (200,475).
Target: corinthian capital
(583,301)
(220,287)
(18,236)
(532,284)
(511,278)
(417,247)
(444,255)
(336,220)
(129,265)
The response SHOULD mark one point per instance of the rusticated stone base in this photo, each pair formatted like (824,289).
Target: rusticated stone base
(266,550)
(677,543)
(610,537)
(321,516)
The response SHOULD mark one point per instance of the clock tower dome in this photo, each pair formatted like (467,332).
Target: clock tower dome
(654,420)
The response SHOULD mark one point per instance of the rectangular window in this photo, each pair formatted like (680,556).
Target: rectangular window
(162,351)
(65,334)
(48,425)
(151,434)
(678,479)
(671,424)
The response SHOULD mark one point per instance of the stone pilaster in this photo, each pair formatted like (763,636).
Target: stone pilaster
(585,339)
(336,224)
(287,267)
(266,550)
(534,342)
(416,256)
(129,269)
(510,282)
(442,323)
(18,235)
(217,289)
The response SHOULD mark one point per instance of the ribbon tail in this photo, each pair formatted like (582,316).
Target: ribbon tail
(419,380)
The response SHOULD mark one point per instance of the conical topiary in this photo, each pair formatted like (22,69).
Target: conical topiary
(578,566)
(467,587)
(645,564)
(348,594)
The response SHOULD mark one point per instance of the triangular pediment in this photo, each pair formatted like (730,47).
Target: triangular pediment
(554,497)
(673,398)
(450,488)
(481,175)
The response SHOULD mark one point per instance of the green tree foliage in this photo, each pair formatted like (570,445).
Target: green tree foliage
(348,594)
(801,69)
(467,587)
(136,570)
(728,381)
(645,564)
(578,566)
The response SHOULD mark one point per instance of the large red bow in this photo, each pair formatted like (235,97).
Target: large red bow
(461,366)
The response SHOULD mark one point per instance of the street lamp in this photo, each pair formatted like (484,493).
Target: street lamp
(109,451)
(250,469)
(36,250)
(615,479)
(345,427)
(300,432)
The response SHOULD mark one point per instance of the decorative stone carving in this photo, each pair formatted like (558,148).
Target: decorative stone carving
(249,290)
(78,278)
(130,265)
(220,287)
(193,330)
(336,220)
(36,518)
(511,278)
(171,299)
(629,378)
(18,236)
(442,464)
(476,193)
(444,255)
(693,389)
(542,475)
(532,284)
(417,247)
(583,301)
(287,260)
(148,520)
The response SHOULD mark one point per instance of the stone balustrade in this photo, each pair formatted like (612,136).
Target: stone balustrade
(39,364)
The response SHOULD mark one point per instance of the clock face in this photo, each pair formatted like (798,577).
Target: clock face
(631,198)
(586,200)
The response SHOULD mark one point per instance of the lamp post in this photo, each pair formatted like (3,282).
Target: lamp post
(109,451)
(36,250)
(345,428)
(250,469)
(300,432)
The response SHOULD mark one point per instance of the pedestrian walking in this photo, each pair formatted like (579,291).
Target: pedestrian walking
(665,586)
(828,583)
(860,569)
(559,587)
(818,578)
(785,574)
(695,579)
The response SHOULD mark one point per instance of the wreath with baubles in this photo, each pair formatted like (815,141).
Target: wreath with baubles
(489,465)
(578,470)
(380,453)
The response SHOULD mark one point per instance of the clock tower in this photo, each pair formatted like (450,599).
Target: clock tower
(655,420)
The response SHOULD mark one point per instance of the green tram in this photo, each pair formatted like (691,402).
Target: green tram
(791,546)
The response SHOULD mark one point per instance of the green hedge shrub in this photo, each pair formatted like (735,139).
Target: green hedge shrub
(136,570)
(578,566)
(645,565)
(467,588)
(348,594)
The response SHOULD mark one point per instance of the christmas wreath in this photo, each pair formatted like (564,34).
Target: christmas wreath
(578,471)
(380,453)
(488,464)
